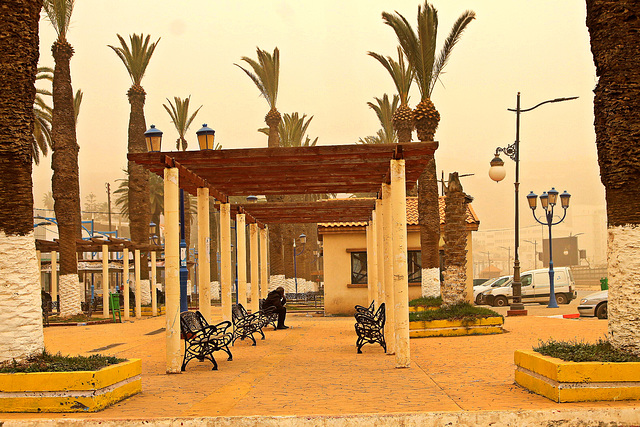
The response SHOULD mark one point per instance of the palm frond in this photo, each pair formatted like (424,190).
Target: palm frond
(401,74)
(292,129)
(136,57)
(59,14)
(453,38)
(179,113)
(77,102)
(266,74)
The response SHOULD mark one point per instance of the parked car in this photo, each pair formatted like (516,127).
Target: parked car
(594,305)
(535,288)
(491,283)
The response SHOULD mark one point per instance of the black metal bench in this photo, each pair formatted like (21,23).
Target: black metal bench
(270,315)
(370,327)
(370,309)
(245,324)
(202,339)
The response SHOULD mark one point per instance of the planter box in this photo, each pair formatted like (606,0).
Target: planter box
(563,381)
(450,328)
(81,391)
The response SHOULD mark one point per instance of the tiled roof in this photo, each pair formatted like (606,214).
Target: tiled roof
(412,215)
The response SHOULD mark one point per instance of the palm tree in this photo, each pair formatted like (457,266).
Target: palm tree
(292,131)
(266,76)
(179,113)
(385,111)
(135,58)
(64,161)
(613,25)
(20,298)
(402,76)
(420,49)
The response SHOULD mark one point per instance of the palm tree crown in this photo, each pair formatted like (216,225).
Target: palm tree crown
(179,113)
(420,46)
(266,74)
(400,72)
(385,110)
(135,58)
(292,130)
(59,13)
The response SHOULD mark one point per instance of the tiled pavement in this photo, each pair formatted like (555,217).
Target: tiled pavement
(313,369)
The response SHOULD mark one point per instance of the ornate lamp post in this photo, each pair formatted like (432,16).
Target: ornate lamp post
(497,173)
(303,240)
(548,201)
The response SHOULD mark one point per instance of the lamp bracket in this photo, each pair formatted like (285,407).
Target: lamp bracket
(509,150)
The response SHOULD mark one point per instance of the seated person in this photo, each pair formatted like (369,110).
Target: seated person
(277,299)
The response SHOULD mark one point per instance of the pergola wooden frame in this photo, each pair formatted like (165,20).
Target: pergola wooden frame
(385,170)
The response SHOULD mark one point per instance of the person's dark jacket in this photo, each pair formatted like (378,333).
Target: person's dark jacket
(274,299)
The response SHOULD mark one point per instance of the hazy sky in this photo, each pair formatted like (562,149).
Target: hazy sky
(540,48)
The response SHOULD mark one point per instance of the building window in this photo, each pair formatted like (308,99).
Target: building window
(414,262)
(359,268)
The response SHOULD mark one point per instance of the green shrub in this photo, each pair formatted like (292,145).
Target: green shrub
(574,351)
(426,302)
(47,362)
(463,311)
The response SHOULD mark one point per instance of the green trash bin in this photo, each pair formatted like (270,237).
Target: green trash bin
(114,305)
(604,283)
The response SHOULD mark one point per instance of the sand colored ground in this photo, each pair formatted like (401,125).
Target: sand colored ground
(313,369)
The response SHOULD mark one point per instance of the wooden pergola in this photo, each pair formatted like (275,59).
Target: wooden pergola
(385,170)
(105,246)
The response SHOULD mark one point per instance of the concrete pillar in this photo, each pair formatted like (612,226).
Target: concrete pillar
(154,279)
(241,258)
(264,266)
(225,260)
(136,261)
(204,254)
(372,264)
(380,250)
(400,279)
(54,276)
(105,281)
(172,270)
(255,271)
(125,283)
(389,330)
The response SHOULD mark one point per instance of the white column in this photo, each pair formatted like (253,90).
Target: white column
(264,266)
(255,272)
(400,279)
(372,261)
(154,279)
(105,281)
(204,254)
(389,330)
(136,260)
(54,276)
(225,260)
(241,258)
(125,283)
(380,250)
(172,270)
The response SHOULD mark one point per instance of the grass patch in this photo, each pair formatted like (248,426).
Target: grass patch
(463,311)
(47,362)
(78,318)
(574,351)
(426,302)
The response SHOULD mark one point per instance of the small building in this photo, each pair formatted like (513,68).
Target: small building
(345,259)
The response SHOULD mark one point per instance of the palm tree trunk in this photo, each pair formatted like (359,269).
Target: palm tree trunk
(276,257)
(613,27)
(65,181)
(429,220)
(19,282)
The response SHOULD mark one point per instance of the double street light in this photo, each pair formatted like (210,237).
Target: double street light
(153,139)
(548,200)
(497,173)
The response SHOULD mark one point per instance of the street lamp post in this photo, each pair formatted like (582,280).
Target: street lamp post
(548,201)
(508,258)
(497,173)
(303,240)
(535,252)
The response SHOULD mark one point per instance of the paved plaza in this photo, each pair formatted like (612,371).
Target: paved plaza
(310,374)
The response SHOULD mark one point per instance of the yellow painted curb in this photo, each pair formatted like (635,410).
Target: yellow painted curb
(455,332)
(487,321)
(69,391)
(417,308)
(576,381)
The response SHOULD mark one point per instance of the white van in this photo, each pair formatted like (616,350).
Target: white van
(535,288)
